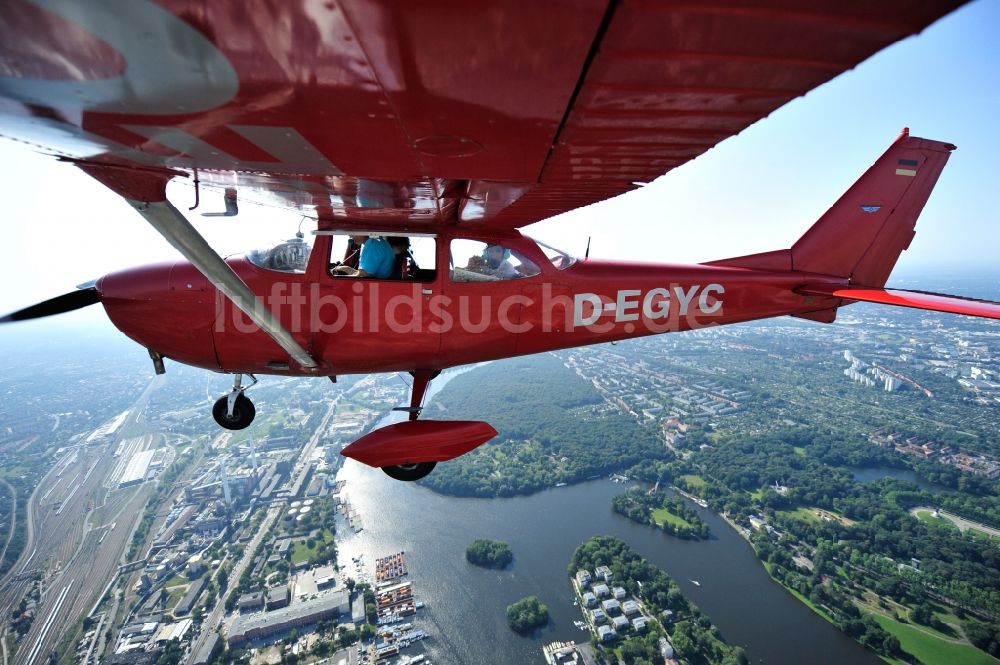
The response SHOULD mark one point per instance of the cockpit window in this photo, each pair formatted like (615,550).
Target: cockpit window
(560,259)
(291,256)
(475,261)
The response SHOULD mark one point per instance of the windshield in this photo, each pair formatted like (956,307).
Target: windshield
(291,256)
(560,259)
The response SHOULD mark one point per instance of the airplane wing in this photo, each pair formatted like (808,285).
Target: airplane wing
(420,113)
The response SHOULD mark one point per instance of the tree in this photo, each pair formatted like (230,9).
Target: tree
(489,553)
(922,613)
(527,614)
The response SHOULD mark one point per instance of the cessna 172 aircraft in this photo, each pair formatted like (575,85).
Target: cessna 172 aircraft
(421,137)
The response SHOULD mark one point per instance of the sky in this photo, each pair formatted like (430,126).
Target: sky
(756,191)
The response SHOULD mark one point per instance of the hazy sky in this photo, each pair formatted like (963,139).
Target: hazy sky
(756,191)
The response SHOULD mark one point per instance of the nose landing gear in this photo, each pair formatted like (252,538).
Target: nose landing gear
(235,411)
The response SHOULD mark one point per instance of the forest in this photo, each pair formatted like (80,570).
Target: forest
(489,553)
(666,512)
(526,615)
(867,541)
(851,549)
(554,427)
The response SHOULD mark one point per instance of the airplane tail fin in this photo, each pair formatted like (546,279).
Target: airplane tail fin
(863,234)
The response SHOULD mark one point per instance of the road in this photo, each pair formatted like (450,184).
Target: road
(214,619)
(962,523)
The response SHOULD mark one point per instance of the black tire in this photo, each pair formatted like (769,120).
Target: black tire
(243,412)
(409,472)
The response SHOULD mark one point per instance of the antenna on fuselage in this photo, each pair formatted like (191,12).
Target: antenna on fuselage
(586,254)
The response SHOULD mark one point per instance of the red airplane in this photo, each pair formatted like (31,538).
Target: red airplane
(430,135)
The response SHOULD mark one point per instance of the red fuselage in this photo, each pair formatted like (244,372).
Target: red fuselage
(352,325)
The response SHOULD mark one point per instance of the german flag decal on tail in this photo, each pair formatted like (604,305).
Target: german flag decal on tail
(907,167)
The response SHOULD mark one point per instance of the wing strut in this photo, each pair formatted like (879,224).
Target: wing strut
(172,225)
(145,189)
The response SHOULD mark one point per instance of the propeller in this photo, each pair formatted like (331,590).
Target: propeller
(87,295)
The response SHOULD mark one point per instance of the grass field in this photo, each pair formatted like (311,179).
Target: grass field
(175,597)
(869,604)
(799,450)
(979,535)
(175,581)
(810,514)
(663,516)
(757,494)
(927,516)
(800,513)
(694,482)
(931,650)
(303,553)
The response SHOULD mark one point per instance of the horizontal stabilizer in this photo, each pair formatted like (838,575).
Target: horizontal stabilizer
(417,441)
(934,302)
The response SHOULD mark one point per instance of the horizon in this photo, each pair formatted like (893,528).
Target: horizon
(756,191)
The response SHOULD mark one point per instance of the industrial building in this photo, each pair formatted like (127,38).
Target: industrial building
(249,627)
(136,469)
(184,607)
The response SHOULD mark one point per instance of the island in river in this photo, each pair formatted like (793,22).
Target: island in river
(849,550)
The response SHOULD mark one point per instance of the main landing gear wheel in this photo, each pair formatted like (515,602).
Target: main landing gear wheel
(243,412)
(409,472)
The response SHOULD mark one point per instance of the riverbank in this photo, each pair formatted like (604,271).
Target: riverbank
(922,643)
(543,530)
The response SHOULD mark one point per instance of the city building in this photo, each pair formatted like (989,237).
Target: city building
(188,601)
(251,602)
(252,626)
(278,597)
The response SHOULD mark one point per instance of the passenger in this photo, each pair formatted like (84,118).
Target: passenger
(378,259)
(401,264)
(495,262)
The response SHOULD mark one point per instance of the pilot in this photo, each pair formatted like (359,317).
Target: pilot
(494,262)
(289,256)
(378,258)
(353,252)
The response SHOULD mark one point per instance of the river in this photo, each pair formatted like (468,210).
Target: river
(465,605)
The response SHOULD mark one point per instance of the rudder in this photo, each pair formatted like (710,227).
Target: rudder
(863,234)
